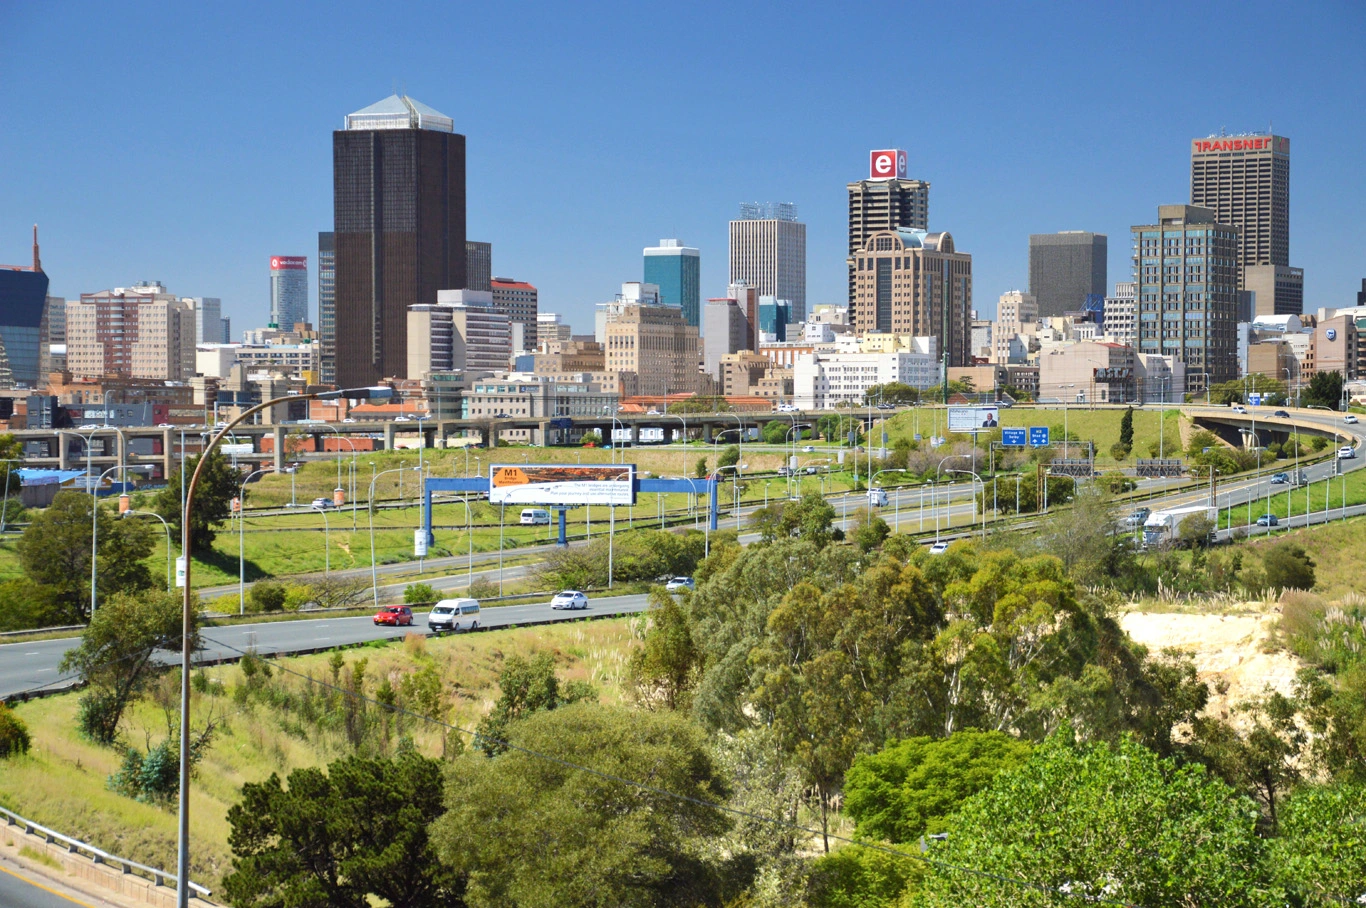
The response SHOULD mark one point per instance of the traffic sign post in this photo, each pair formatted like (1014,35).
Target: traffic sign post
(1013,438)
(1038,436)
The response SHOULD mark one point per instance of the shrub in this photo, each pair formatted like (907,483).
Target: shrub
(1319,443)
(482,588)
(1119,451)
(268,596)
(297,595)
(1288,567)
(98,716)
(415,593)
(14,738)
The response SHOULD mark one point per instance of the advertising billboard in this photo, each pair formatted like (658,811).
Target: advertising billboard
(887,164)
(568,484)
(288,262)
(973,419)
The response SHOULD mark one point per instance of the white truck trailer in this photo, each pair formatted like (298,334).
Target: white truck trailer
(1164,527)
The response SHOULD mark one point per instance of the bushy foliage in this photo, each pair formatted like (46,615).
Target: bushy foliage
(1288,567)
(14,736)
(634,555)
(527,687)
(1318,855)
(218,484)
(267,596)
(418,593)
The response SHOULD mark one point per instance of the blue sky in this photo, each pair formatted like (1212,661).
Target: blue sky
(189,142)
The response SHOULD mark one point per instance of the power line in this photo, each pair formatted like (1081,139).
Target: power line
(734,811)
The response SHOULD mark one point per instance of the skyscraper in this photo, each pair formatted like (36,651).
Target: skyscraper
(478,265)
(518,301)
(208,320)
(768,252)
(288,290)
(23,297)
(1245,181)
(677,269)
(327,308)
(1186,268)
(886,200)
(1065,268)
(915,283)
(399,222)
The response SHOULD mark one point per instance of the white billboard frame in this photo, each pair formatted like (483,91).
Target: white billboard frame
(563,484)
(967,420)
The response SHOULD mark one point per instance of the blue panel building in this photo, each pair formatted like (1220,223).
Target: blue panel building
(23,296)
(774,315)
(677,269)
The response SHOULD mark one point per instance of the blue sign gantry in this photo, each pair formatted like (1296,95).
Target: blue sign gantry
(1038,436)
(1013,438)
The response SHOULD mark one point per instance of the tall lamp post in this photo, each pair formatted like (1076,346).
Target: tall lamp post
(374,573)
(984,496)
(242,540)
(167,526)
(948,500)
(187,621)
(95,533)
(735,484)
(896,507)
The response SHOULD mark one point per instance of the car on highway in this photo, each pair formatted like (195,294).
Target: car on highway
(789,408)
(453,614)
(1347,452)
(165,425)
(679,584)
(569,599)
(322,504)
(1239,408)
(1268,520)
(395,616)
(939,548)
(1281,414)
(886,406)
(808,449)
(502,416)
(1350,419)
(1280,479)
(403,419)
(1135,520)
(349,419)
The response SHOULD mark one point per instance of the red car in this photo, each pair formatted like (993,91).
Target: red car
(395,615)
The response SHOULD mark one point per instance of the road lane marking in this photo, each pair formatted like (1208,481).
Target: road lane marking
(36,885)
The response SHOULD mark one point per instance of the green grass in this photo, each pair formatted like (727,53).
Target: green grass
(1335,548)
(40,857)
(62,782)
(1291,501)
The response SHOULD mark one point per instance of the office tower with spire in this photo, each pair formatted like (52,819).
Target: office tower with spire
(399,230)
(886,200)
(23,302)
(1245,181)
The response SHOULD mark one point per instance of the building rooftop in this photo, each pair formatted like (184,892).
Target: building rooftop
(399,112)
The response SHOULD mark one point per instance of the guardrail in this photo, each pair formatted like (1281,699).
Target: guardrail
(98,855)
(41,630)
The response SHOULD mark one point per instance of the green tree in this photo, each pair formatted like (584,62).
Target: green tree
(268,596)
(527,687)
(858,876)
(1100,821)
(1126,428)
(1197,531)
(591,439)
(1324,390)
(911,787)
(775,432)
(894,392)
(870,531)
(1320,853)
(1263,760)
(116,652)
(664,669)
(55,553)
(218,485)
(416,593)
(728,457)
(535,831)
(700,469)
(342,839)
(14,736)
(1288,567)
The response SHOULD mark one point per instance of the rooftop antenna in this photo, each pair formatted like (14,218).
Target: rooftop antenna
(37,263)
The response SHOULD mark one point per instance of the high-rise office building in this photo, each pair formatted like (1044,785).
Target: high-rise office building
(52,339)
(677,270)
(478,265)
(209,327)
(915,283)
(288,290)
(138,332)
(1275,289)
(327,308)
(774,317)
(1186,269)
(655,344)
(886,200)
(725,330)
(1065,268)
(399,223)
(23,298)
(1245,181)
(517,300)
(768,253)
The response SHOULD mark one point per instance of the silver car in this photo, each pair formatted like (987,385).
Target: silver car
(569,599)
(679,584)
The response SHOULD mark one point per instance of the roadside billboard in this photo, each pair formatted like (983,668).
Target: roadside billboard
(973,419)
(568,484)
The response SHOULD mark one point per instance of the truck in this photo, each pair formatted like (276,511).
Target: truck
(877,498)
(1164,527)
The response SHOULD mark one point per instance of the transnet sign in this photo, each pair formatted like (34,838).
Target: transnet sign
(1244,143)
(887,164)
(288,263)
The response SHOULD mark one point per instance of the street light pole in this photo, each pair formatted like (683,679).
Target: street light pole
(984,510)
(167,527)
(242,540)
(374,572)
(187,625)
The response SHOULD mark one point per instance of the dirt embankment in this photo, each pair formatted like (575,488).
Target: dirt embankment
(1232,649)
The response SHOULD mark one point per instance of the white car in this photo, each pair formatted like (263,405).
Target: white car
(348,420)
(1239,409)
(570,599)
(1350,419)
(808,449)
(403,419)
(939,548)
(1347,453)
(679,584)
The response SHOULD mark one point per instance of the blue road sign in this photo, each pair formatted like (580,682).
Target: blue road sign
(1013,438)
(1038,436)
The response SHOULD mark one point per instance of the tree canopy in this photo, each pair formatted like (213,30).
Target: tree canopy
(218,485)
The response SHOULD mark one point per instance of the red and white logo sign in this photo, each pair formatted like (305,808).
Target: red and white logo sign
(288,262)
(887,164)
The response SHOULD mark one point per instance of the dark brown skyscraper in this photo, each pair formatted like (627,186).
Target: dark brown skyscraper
(398,171)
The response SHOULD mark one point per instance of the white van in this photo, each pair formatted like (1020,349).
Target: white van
(532,517)
(877,498)
(454,615)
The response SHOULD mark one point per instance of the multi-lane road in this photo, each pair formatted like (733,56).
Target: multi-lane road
(33,666)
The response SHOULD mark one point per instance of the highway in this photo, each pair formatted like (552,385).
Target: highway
(21,888)
(27,666)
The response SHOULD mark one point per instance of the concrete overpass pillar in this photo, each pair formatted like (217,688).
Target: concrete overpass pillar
(389,436)
(543,431)
(490,431)
(279,448)
(167,453)
(63,451)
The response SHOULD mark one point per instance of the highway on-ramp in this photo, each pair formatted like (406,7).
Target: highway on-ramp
(31,666)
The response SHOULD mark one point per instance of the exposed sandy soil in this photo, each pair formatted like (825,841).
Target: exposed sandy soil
(1227,648)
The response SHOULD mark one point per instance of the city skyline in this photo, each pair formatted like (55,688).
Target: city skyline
(206,217)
